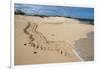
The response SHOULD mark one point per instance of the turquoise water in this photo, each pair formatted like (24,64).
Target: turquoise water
(75,12)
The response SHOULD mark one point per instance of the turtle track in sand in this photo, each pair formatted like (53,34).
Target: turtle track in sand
(38,41)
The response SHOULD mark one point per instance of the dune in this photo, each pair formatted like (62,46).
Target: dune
(51,40)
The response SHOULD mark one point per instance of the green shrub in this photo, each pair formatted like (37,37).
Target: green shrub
(19,12)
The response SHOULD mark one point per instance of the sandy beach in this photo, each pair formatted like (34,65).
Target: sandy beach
(40,40)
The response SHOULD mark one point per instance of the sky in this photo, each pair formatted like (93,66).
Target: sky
(75,12)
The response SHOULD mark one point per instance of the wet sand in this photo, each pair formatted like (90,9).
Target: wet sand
(51,40)
(85,47)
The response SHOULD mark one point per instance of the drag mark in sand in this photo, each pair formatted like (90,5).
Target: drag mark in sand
(25,30)
(38,42)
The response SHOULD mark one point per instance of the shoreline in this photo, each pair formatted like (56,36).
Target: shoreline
(85,46)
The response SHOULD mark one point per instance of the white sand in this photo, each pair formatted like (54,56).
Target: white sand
(56,30)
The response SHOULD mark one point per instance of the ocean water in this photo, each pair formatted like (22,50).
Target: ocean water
(66,11)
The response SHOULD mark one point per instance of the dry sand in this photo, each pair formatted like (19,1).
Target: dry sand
(51,40)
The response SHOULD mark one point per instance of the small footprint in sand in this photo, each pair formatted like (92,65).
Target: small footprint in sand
(35,52)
